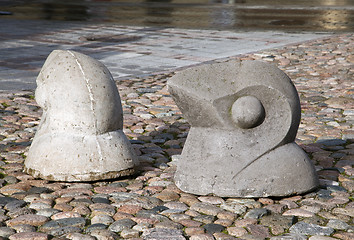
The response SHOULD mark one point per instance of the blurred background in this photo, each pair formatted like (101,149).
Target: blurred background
(237,15)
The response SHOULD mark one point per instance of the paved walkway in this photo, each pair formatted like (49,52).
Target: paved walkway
(149,206)
(127,51)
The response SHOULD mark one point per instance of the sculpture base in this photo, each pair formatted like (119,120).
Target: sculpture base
(283,171)
(81,177)
(80,158)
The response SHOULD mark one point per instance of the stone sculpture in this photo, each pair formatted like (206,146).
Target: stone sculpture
(244,117)
(80,136)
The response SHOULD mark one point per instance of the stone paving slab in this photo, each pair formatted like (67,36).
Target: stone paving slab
(149,206)
(127,51)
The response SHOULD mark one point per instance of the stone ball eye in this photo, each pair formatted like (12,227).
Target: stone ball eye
(247,112)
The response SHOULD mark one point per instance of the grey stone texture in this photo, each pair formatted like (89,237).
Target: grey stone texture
(289,236)
(310,229)
(244,117)
(80,136)
(162,234)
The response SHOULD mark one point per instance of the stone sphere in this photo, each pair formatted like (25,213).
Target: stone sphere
(248,112)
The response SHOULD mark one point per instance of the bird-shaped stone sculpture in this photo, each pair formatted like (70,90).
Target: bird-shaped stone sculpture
(244,117)
(80,135)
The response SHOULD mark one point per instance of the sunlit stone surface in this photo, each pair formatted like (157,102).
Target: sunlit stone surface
(244,117)
(80,136)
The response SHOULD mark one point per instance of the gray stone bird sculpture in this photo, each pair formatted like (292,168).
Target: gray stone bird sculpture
(244,117)
(80,136)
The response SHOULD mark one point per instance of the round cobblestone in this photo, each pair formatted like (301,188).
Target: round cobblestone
(29,236)
(30,219)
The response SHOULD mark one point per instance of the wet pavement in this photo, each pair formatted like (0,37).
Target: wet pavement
(140,38)
(127,51)
(235,15)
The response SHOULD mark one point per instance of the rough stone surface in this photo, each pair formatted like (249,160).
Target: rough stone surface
(257,213)
(104,234)
(102,218)
(244,116)
(202,237)
(213,228)
(303,228)
(64,230)
(29,236)
(290,236)
(206,208)
(6,232)
(275,220)
(24,228)
(236,231)
(122,224)
(80,137)
(79,236)
(129,233)
(62,223)
(258,230)
(31,219)
(298,212)
(339,224)
(318,237)
(331,149)
(162,234)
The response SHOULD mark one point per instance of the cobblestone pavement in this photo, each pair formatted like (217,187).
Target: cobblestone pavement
(149,206)
(126,51)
